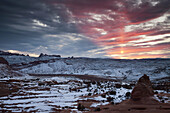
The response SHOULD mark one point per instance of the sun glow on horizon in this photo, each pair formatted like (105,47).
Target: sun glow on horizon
(22,52)
(121,52)
(126,33)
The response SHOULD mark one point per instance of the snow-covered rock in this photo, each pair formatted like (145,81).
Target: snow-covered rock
(16,58)
(24,59)
(124,69)
(3,61)
(5,70)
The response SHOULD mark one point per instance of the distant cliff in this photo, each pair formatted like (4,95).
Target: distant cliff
(10,54)
(42,55)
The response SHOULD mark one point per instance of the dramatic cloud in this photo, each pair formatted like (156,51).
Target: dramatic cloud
(129,27)
(93,28)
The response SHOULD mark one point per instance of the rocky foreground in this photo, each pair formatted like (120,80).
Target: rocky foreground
(82,94)
(142,101)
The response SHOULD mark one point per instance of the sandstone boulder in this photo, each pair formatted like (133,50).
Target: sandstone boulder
(3,61)
(142,89)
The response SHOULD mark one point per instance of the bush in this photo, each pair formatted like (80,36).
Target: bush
(80,107)
(97,109)
(112,92)
(103,95)
(118,85)
(127,86)
(128,94)
(89,94)
(110,99)
(156,92)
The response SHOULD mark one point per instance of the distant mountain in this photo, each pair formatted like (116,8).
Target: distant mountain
(45,55)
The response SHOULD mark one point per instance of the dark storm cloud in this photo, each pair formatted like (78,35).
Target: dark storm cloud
(24,24)
(68,44)
(135,12)
(23,12)
(146,11)
(51,26)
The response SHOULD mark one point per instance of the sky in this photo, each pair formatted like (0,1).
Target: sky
(121,29)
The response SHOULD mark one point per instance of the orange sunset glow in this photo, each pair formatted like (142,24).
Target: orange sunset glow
(132,33)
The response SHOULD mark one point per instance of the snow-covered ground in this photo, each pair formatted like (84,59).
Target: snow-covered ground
(5,70)
(111,68)
(46,94)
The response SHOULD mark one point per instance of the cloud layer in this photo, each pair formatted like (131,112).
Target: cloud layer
(129,29)
(93,28)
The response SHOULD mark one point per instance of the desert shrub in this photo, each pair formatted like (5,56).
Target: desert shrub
(128,94)
(118,85)
(156,92)
(110,99)
(112,92)
(103,95)
(41,83)
(80,107)
(97,109)
(127,86)
(89,94)
(93,82)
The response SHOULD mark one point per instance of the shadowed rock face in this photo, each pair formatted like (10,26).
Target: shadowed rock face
(3,61)
(142,89)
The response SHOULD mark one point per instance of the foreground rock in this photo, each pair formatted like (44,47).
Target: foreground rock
(142,93)
(142,89)
(5,69)
(3,61)
(141,101)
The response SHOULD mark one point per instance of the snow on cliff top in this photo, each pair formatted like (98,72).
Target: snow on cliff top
(5,70)
(126,69)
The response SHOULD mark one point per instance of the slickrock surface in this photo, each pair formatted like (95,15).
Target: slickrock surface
(141,101)
(142,89)
(3,61)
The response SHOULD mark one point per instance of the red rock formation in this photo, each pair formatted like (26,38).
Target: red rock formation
(142,89)
(3,61)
